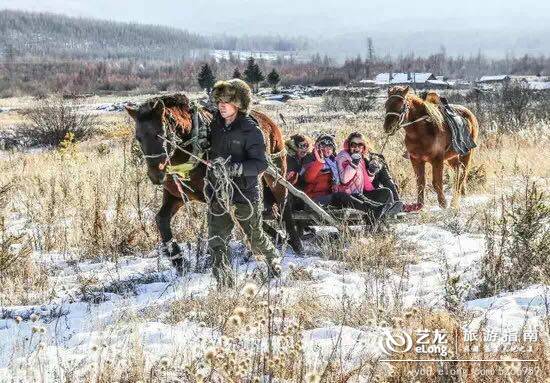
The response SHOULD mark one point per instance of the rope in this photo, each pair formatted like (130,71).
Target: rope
(223,186)
(223,189)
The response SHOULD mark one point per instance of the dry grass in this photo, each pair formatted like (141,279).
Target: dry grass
(21,277)
(93,201)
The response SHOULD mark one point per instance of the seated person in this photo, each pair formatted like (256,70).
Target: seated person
(361,178)
(377,165)
(298,150)
(321,174)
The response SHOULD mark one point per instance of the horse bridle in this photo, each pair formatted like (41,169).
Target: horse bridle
(170,134)
(402,115)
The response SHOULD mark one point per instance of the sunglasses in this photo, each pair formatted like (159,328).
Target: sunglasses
(302,145)
(356,145)
(326,143)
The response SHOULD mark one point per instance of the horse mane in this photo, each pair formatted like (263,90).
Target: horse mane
(177,103)
(177,100)
(432,110)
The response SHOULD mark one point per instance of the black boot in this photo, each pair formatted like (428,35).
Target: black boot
(296,244)
(393,210)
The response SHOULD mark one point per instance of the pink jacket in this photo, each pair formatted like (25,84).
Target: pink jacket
(353,180)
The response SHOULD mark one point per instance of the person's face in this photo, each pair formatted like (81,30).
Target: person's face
(302,149)
(356,147)
(227,110)
(326,150)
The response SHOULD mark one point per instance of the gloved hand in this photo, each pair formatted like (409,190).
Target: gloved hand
(356,158)
(318,153)
(216,168)
(235,169)
(374,167)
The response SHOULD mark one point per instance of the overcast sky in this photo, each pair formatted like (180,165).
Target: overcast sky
(306,17)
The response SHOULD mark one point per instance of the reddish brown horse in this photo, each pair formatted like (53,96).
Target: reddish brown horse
(173,115)
(428,139)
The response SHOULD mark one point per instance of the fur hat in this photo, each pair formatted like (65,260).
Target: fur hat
(292,143)
(235,91)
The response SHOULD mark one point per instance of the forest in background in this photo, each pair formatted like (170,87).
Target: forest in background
(44,53)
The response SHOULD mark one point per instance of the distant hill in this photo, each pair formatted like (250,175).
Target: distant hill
(28,34)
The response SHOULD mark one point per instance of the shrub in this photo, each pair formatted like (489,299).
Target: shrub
(348,100)
(518,243)
(51,121)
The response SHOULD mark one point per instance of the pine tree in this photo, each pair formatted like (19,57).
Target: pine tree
(370,48)
(237,74)
(253,74)
(273,79)
(206,78)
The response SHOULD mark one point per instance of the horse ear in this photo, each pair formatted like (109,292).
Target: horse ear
(158,107)
(406,90)
(131,111)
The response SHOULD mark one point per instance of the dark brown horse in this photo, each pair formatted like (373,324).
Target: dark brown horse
(173,114)
(428,139)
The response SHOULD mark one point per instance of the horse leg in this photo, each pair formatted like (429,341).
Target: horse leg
(437,181)
(420,172)
(169,247)
(456,164)
(465,165)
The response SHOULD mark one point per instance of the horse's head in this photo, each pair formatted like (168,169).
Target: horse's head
(149,118)
(152,126)
(396,107)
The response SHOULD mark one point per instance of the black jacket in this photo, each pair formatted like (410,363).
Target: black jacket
(244,142)
(383,177)
(293,163)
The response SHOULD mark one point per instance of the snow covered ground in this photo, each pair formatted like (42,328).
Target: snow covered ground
(133,297)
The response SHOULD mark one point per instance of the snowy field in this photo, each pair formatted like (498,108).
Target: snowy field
(66,328)
(132,312)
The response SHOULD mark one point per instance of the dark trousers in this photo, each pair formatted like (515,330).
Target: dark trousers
(375,203)
(220,226)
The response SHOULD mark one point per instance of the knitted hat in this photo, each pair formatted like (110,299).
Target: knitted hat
(235,91)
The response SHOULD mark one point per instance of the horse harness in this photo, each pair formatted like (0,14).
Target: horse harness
(199,121)
(402,115)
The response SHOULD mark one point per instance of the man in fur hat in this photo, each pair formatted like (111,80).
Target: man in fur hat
(238,148)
